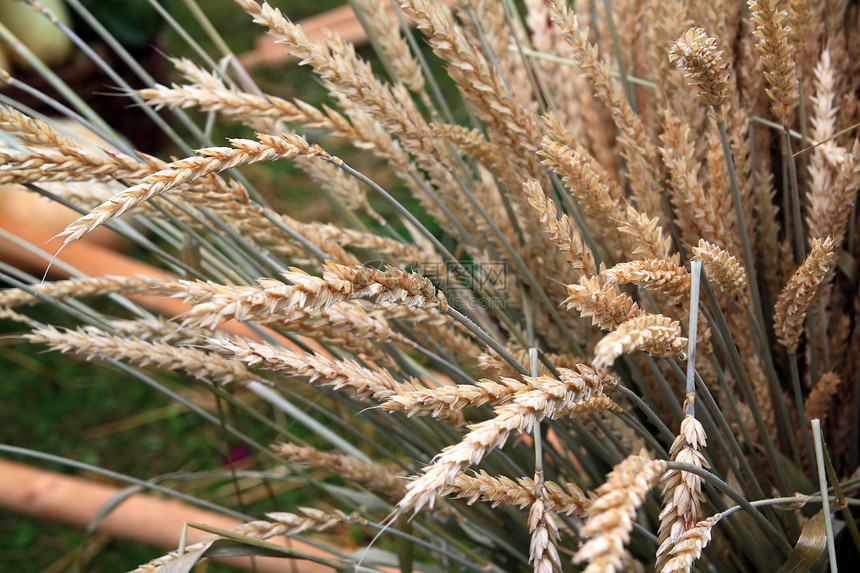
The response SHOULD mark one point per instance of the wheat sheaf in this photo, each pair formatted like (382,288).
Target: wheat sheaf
(619,251)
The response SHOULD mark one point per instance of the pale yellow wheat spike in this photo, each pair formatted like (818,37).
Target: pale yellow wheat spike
(827,158)
(682,491)
(610,516)
(543,549)
(12,297)
(689,546)
(636,147)
(435,401)
(563,234)
(702,60)
(789,313)
(32,130)
(658,275)
(820,399)
(281,523)
(184,171)
(771,31)
(687,193)
(91,343)
(518,493)
(358,381)
(599,196)
(655,334)
(492,364)
(605,304)
(722,268)
(37,163)
(544,397)
(374,476)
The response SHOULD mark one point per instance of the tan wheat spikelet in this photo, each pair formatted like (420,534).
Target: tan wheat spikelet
(281,523)
(37,163)
(607,306)
(598,195)
(690,545)
(12,297)
(698,55)
(518,493)
(610,516)
(722,268)
(655,334)
(433,401)
(659,275)
(359,382)
(374,476)
(820,398)
(777,58)
(559,229)
(543,549)
(91,342)
(789,313)
(682,491)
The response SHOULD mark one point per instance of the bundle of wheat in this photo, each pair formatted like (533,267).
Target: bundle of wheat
(643,271)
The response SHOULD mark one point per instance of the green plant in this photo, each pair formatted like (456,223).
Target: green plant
(601,180)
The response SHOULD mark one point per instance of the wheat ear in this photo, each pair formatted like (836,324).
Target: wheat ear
(184,171)
(653,333)
(789,313)
(682,491)
(689,546)
(281,523)
(610,516)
